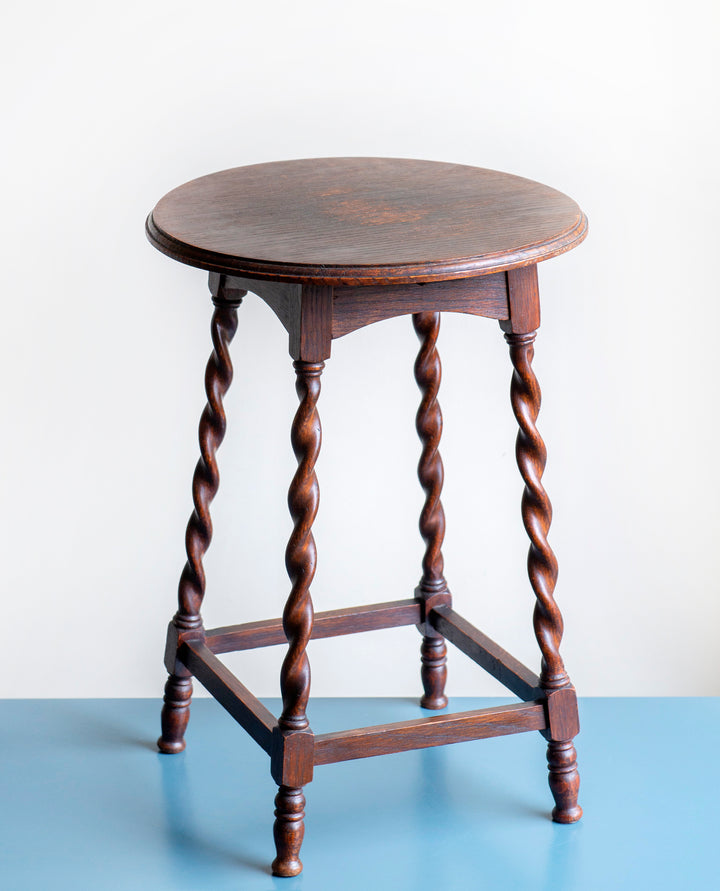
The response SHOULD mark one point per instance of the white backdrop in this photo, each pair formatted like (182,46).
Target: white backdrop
(104,340)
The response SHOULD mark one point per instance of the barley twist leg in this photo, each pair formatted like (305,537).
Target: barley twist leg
(542,567)
(300,559)
(428,422)
(191,589)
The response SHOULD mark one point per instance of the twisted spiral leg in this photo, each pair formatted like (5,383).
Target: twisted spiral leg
(536,510)
(542,568)
(191,589)
(300,560)
(428,422)
(300,555)
(206,479)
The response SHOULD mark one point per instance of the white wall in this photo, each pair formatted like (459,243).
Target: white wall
(104,340)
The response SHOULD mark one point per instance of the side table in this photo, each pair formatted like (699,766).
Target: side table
(332,245)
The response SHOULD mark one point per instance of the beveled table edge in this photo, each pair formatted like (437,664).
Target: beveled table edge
(431,271)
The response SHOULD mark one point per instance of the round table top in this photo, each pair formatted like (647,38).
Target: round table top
(363,221)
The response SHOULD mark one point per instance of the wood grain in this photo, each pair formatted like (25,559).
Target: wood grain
(485,652)
(432,586)
(422,733)
(523,301)
(331,245)
(288,831)
(233,696)
(354,307)
(349,620)
(542,569)
(531,455)
(363,221)
(175,712)
(301,553)
(206,479)
(564,781)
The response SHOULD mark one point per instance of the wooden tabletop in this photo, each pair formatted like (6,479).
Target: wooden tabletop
(363,221)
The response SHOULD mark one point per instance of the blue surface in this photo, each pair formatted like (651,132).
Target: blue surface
(87,803)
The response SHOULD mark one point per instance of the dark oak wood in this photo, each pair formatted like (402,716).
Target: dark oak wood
(355,307)
(310,339)
(332,245)
(313,316)
(542,570)
(563,726)
(523,301)
(206,479)
(440,730)
(564,781)
(485,652)
(349,620)
(304,310)
(343,221)
(282,297)
(428,422)
(226,290)
(433,588)
(291,757)
(536,510)
(175,712)
(562,710)
(433,672)
(300,555)
(233,696)
(300,558)
(288,831)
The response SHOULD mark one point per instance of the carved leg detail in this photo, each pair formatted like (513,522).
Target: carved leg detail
(433,587)
(288,831)
(433,655)
(300,560)
(206,479)
(191,590)
(543,570)
(536,510)
(300,555)
(175,713)
(564,781)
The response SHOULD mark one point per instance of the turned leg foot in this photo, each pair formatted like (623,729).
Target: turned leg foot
(288,830)
(175,714)
(564,781)
(433,654)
